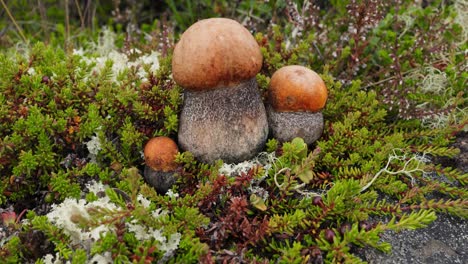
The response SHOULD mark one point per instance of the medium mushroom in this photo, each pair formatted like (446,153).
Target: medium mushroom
(296,95)
(223,116)
(160,163)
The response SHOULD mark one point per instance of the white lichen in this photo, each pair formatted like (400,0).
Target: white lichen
(96,187)
(31,71)
(461,8)
(94,147)
(51,259)
(172,243)
(434,81)
(408,19)
(411,165)
(441,120)
(64,216)
(150,59)
(104,258)
(259,191)
(106,42)
(158,213)
(100,53)
(143,201)
(68,215)
(263,159)
(172,194)
(143,233)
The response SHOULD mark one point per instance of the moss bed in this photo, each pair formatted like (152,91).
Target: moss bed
(80,99)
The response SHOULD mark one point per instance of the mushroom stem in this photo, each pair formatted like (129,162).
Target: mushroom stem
(285,126)
(160,180)
(227,123)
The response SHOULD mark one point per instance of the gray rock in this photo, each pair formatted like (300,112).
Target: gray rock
(444,241)
(286,126)
(227,123)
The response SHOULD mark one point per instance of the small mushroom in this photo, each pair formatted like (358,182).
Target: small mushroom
(160,164)
(223,116)
(296,95)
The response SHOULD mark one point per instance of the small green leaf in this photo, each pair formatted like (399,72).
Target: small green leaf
(257,202)
(306,176)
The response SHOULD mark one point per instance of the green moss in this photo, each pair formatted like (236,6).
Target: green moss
(396,98)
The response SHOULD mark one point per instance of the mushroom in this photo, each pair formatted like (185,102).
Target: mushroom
(223,116)
(160,163)
(296,95)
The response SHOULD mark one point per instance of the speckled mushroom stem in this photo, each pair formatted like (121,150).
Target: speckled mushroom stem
(160,180)
(227,123)
(285,126)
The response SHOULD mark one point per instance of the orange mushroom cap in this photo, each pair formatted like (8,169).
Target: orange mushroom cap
(160,154)
(215,52)
(297,89)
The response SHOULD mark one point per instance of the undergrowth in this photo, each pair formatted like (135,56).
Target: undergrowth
(74,119)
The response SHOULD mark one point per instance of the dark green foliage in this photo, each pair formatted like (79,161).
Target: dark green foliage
(396,102)
(46,124)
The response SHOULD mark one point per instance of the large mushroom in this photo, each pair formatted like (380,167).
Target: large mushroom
(160,163)
(223,116)
(296,95)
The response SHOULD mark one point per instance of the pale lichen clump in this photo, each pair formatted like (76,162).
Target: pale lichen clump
(442,120)
(264,160)
(67,216)
(166,244)
(105,258)
(461,7)
(172,194)
(99,54)
(62,216)
(434,81)
(94,147)
(271,165)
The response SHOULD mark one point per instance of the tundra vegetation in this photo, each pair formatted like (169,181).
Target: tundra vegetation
(84,85)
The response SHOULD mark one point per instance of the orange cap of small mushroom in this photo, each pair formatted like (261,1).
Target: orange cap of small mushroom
(297,89)
(160,154)
(215,52)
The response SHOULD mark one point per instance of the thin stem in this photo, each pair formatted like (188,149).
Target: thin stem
(42,13)
(67,23)
(79,13)
(280,186)
(20,31)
